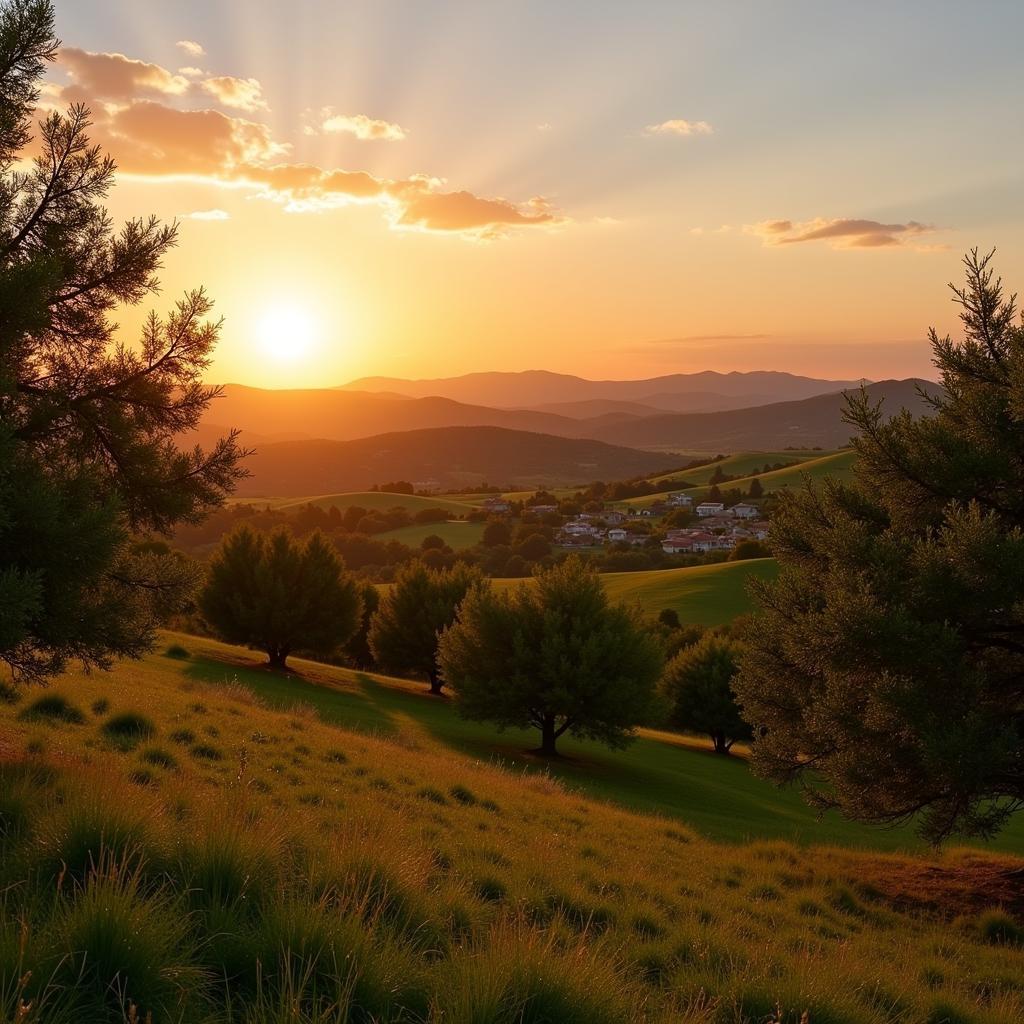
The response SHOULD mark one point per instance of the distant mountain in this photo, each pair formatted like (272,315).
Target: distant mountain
(806,423)
(652,405)
(538,388)
(335,415)
(453,456)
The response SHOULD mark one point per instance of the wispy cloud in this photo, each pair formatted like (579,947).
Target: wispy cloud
(329,122)
(209,215)
(140,115)
(192,48)
(679,126)
(842,233)
(238,93)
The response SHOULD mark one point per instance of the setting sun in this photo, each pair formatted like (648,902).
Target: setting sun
(287,332)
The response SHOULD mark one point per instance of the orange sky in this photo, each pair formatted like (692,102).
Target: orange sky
(382,189)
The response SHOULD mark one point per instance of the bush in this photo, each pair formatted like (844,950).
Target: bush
(52,708)
(177,651)
(997,927)
(127,730)
(159,757)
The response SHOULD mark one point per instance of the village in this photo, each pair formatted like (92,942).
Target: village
(717,527)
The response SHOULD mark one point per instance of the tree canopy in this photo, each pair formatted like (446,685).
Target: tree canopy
(555,656)
(280,595)
(420,604)
(698,687)
(886,670)
(89,421)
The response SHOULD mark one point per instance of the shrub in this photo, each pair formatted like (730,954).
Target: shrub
(127,730)
(206,752)
(997,927)
(462,795)
(183,736)
(100,707)
(53,707)
(159,757)
(123,947)
(176,651)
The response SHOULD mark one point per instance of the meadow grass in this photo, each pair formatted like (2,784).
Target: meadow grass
(457,535)
(711,595)
(358,853)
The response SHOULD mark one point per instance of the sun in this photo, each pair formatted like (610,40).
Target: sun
(287,332)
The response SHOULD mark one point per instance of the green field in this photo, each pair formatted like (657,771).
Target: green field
(194,838)
(378,500)
(457,535)
(740,464)
(837,464)
(709,594)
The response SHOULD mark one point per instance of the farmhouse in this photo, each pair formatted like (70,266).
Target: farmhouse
(710,508)
(744,511)
(680,501)
(618,534)
(497,505)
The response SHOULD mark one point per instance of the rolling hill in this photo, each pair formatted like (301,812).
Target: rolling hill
(533,388)
(451,456)
(806,423)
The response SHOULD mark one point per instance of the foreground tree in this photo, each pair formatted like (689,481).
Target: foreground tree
(421,604)
(279,595)
(886,672)
(87,424)
(698,687)
(553,656)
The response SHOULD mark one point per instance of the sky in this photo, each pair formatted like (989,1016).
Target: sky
(614,190)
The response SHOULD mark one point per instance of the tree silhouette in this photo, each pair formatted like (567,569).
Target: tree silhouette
(554,656)
(88,424)
(886,670)
(278,595)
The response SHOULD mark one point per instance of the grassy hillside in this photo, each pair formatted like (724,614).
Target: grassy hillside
(709,594)
(377,500)
(741,463)
(456,535)
(838,464)
(257,848)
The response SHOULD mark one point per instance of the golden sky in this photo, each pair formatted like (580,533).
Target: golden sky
(422,190)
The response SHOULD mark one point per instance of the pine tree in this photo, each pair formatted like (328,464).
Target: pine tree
(88,423)
(886,670)
(278,595)
(554,656)
(419,606)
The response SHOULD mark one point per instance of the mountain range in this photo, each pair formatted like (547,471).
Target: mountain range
(320,440)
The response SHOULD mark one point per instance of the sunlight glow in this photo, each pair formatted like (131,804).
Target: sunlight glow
(287,332)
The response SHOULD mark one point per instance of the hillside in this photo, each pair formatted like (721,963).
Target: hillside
(451,456)
(807,423)
(540,387)
(335,847)
(709,594)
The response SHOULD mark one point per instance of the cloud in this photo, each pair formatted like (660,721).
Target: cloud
(117,77)
(209,215)
(362,127)
(193,49)
(139,117)
(239,93)
(190,72)
(679,126)
(842,232)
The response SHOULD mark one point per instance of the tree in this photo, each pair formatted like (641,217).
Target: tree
(279,595)
(669,617)
(88,423)
(553,656)
(357,650)
(497,534)
(698,686)
(886,670)
(749,548)
(756,489)
(420,604)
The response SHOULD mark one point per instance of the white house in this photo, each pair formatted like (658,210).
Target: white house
(616,535)
(710,508)
(680,501)
(744,511)
(497,504)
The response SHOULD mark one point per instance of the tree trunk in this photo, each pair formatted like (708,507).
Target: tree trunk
(436,683)
(722,744)
(278,657)
(548,737)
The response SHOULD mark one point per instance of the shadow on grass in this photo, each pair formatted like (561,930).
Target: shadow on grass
(283,690)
